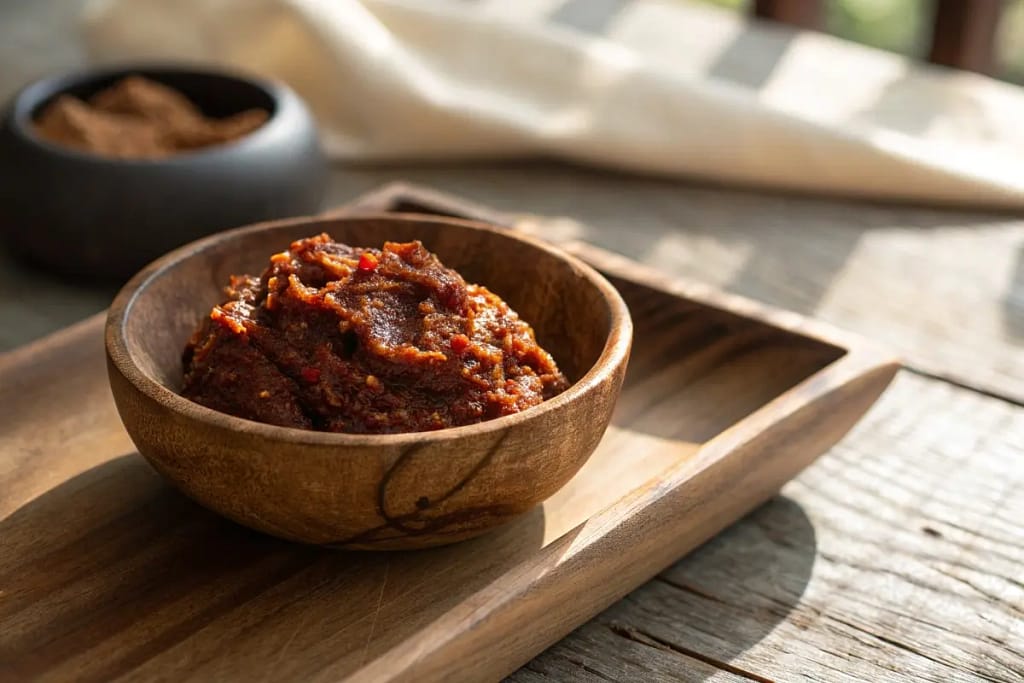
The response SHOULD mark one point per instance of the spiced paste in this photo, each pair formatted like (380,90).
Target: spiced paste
(345,339)
(138,118)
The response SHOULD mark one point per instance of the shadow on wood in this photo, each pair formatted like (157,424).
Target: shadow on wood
(113,569)
(701,613)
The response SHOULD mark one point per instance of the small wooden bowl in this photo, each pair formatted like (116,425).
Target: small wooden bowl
(369,491)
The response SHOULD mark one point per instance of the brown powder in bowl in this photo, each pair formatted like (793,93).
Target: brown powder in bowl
(137,118)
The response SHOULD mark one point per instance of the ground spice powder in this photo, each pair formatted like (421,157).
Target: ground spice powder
(137,118)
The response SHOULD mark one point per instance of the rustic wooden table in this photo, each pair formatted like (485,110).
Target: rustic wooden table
(898,555)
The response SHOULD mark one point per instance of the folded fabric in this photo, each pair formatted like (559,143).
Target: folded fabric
(403,80)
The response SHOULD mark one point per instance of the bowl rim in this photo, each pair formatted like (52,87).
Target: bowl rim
(31,95)
(614,354)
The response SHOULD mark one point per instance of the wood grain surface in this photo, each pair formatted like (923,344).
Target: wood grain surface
(719,410)
(897,557)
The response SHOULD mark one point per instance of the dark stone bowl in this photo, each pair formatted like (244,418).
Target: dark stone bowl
(101,218)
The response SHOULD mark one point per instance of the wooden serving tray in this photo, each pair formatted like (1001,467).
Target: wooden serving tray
(107,572)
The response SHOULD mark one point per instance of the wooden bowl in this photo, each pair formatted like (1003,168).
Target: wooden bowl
(369,491)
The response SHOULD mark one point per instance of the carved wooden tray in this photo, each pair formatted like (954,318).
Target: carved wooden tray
(106,572)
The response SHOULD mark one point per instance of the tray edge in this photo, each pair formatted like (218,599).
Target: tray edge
(816,413)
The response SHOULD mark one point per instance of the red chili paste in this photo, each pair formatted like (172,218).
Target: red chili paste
(344,339)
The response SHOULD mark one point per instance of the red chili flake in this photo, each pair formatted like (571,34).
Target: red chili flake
(367,262)
(459,343)
(311,375)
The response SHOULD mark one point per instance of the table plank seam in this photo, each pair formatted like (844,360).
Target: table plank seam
(962,384)
(575,661)
(644,638)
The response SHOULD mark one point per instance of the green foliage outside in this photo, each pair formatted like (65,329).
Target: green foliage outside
(904,26)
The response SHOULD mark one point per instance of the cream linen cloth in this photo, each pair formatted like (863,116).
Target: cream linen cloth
(661,88)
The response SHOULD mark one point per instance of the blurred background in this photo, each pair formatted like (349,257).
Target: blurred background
(990,33)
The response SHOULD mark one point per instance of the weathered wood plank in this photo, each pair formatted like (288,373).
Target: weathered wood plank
(943,288)
(896,557)
(596,652)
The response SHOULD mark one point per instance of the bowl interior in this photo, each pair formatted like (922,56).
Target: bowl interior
(215,94)
(569,311)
